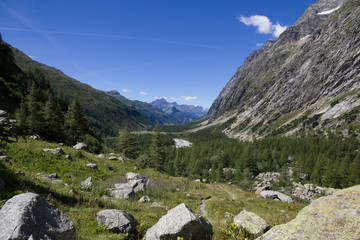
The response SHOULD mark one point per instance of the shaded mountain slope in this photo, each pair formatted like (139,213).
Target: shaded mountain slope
(308,78)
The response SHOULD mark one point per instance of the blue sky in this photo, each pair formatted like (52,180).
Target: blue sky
(184,50)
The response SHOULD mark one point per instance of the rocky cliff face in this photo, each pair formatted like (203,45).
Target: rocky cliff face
(308,78)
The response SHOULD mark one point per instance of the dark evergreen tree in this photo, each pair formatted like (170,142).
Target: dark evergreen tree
(157,151)
(54,119)
(76,124)
(128,144)
(35,119)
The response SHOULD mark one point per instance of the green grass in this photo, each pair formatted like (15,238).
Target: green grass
(82,205)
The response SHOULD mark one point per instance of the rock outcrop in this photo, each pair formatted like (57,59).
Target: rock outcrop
(56,151)
(135,182)
(28,216)
(276,196)
(92,165)
(251,222)
(117,221)
(180,222)
(81,146)
(87,184)
(332,217)
(122,191)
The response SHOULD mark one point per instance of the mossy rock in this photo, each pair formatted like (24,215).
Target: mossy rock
(332,217)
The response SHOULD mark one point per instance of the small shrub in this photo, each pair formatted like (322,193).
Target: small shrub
(235,232)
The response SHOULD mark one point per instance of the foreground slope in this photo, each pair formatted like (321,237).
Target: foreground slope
(105,113)
(308,78)
(26,169)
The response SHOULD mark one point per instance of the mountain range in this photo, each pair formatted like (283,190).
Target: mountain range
(306,79)
(183,113)
(309,78)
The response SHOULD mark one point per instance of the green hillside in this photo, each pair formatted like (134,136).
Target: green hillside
(81,205)
(105,113)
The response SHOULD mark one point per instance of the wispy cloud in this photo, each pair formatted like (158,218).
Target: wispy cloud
(263,24)
(259,44)
(188,98)
(108,36)
(143,93)
(127,90)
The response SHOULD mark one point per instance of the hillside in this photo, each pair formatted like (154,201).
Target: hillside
(105,113)
(307,79)
(216,202)
(152,113)
(182,112)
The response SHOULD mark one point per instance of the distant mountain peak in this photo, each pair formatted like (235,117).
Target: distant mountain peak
(182,112)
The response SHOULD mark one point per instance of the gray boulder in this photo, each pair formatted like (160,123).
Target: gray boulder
(122,191)
(332,217)
(158,205)
(81,146)
(117,221)
(69,157)
(92,165)
(276,196)
(56,151)
(101,155)
(180,222)
(28,216)
(87,183)
(251,222)
(134,176)
(112,158)
(145,199)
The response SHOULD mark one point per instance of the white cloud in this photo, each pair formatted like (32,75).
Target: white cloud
(143,93)
(188,98)
(127,90)
(263,24)
(259,44)
(278,29)
(161,98)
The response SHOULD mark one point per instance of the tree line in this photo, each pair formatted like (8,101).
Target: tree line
(328,159)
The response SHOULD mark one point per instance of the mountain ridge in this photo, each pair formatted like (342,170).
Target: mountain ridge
(182,112)
(152,113)
(300,80)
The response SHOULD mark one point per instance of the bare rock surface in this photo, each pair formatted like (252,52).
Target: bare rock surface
(28,216)
(81,146)
(332,217)
(251,222)
(180,222)
(117,220)
(87,183)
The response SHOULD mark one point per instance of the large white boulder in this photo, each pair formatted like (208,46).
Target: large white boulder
(251,222)
(117,221)
(28,216)
(180,222)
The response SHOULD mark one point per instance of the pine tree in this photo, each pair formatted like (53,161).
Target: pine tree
(35,120)
(354,175)
(21,118)
(76,124)
(128,144)
(157,151)
(54,119)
